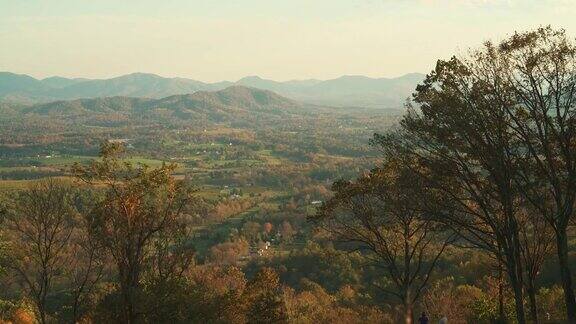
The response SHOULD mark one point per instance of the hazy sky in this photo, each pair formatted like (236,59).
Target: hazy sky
(213,40)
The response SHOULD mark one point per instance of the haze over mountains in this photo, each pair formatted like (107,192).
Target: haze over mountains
(346,91)
(234,104)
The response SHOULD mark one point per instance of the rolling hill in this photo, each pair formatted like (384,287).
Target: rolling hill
(235,103)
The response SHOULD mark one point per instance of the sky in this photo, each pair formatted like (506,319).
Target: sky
(214,40)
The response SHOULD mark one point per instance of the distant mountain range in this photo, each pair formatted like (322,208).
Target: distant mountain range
(233,104)
(346,91)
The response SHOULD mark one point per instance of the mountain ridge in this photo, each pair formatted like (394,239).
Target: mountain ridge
(234,103)
(347,90)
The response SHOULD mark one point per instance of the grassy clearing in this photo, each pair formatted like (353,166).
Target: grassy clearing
(23,184)
(149,162)
(269,157)
(61,160)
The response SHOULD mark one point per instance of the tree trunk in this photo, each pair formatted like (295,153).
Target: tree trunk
(501,314)
(519,302)
(518,299)
(128,290)
(41,303)
(75,311)
(408,313)
(515,272)
(515,275)
(408,304)
(126,302)
(42,313)
(565,275)
(129,284)
(129,314)
(532,298)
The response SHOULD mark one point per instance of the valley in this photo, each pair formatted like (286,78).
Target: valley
(254,156)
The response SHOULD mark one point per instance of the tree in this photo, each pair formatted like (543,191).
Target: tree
(268,228)
(453,151)
(86,267)
(537,240)
(252,231)
(499,125)
(539,69)
(286,231)
(140,205)
(39,225)
(263,295)
(383,214)
(458,136)
(444,298)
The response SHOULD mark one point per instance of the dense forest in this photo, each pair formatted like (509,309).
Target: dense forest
(243,206)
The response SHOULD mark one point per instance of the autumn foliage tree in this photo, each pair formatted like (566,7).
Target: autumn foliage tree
(383,214)
(539,71)
(498,130)
(39,224)
(140,205)
(264,300)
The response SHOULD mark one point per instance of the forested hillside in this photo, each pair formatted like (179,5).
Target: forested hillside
(233,103)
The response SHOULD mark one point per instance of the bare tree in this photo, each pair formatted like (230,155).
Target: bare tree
(382,214)
(87,266)
(39,225)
